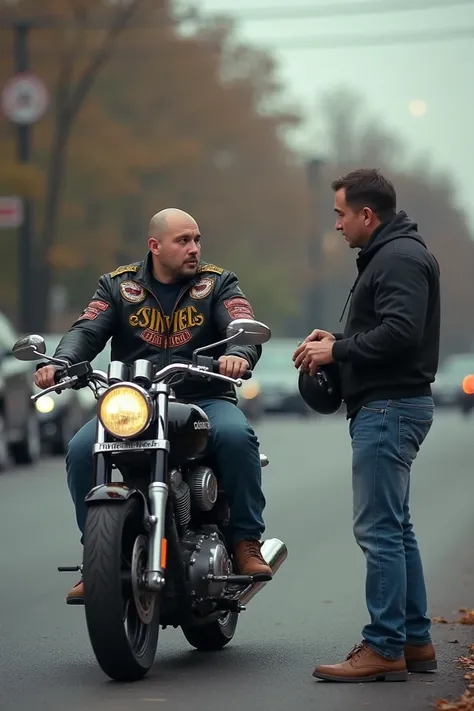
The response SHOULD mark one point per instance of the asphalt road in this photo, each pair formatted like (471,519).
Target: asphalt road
(311,612)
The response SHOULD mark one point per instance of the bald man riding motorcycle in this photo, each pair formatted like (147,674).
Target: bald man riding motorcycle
(162,309)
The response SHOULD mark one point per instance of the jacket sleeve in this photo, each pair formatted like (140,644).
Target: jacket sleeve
(90,332)
(231,303)
(400,303)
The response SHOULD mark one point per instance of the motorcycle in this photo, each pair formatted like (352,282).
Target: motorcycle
(157,550)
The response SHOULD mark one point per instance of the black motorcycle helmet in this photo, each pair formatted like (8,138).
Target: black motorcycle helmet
(321,392)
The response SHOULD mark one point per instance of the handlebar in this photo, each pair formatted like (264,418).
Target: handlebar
(65,381)
(216,367)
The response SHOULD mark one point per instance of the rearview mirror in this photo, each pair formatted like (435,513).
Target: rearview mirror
(29,348)
(247,332)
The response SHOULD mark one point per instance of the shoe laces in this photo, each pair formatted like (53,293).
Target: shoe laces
(252,550)
(356,650)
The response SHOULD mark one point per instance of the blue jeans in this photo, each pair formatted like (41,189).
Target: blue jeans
(232,441)
(386,437)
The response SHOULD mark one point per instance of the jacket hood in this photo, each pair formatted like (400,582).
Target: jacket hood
(395,228)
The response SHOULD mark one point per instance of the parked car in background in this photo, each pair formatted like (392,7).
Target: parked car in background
(249,399)
(19,422)
(467,402)
(448,388)
(61,415)
(277,379)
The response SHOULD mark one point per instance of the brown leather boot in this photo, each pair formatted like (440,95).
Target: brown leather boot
(76,595)
(363,664)
(420,658)
(249,558)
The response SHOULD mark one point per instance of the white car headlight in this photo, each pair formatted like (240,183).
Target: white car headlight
(45,404)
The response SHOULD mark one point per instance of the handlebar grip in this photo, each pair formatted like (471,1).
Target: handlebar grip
(58,374)
(216,366)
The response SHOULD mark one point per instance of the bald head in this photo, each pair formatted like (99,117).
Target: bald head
(175,244)
(170,219)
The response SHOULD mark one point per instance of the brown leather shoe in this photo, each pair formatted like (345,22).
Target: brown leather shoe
(420,658)
(249,558)
(76,595)
(364,664)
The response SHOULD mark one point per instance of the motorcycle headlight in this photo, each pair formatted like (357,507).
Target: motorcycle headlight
(125,410)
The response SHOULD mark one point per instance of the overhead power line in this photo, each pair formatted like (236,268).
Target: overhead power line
(334,9)
(376,39)
(340,9)
(306,43)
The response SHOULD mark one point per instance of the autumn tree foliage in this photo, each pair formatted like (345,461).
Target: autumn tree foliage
(153,106)
(147,114)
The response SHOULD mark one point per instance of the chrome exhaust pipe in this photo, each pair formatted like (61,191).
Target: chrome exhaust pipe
(274,552)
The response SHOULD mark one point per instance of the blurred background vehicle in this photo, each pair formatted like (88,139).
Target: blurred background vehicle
(467,398)
(19,424)
(60,415)
(448,390)
(274,385)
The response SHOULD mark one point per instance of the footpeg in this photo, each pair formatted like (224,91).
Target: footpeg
(70,569)
(240,579)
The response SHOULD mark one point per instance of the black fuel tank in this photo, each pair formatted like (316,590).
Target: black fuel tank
(188,431)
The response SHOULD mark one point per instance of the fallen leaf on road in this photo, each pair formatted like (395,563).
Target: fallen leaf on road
(466,701)
(467,617)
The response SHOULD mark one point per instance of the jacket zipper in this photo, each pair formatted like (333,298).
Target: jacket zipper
(180,296)
(167,357)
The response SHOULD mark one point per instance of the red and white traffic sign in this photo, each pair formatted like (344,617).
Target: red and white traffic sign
(11,212)
(25,98)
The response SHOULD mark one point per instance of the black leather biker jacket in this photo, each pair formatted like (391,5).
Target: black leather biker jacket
(125,309)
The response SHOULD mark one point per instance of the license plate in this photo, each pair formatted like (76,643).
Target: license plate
(127,446)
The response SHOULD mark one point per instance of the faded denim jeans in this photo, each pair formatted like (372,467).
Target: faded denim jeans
(386,437)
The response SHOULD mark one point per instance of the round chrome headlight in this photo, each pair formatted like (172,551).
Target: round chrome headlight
(125,410)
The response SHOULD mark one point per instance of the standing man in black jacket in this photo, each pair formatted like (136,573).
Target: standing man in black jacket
(388,358)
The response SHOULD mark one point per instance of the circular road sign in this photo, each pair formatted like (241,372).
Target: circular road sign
(25,98)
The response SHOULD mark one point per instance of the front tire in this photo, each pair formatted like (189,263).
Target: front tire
(123,643)
(215,635)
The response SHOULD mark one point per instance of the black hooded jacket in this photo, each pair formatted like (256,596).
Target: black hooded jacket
(390,344)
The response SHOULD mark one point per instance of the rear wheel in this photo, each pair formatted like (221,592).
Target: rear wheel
(122,617)
(215,635)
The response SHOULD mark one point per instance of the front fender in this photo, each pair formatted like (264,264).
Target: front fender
(115,492)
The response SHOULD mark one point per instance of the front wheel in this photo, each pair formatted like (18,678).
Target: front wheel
(215,635)
(122,618)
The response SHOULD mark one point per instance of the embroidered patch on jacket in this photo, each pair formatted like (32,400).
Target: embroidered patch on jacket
(89,315)
(122,270)
(210,268)
(133,292)
(202,289)
(154,338)
(101,305)
(238,307)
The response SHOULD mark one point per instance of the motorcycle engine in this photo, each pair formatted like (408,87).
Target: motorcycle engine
(209,556)
(198,489)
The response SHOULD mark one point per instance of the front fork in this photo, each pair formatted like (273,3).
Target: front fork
(158,495)
(157,492)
